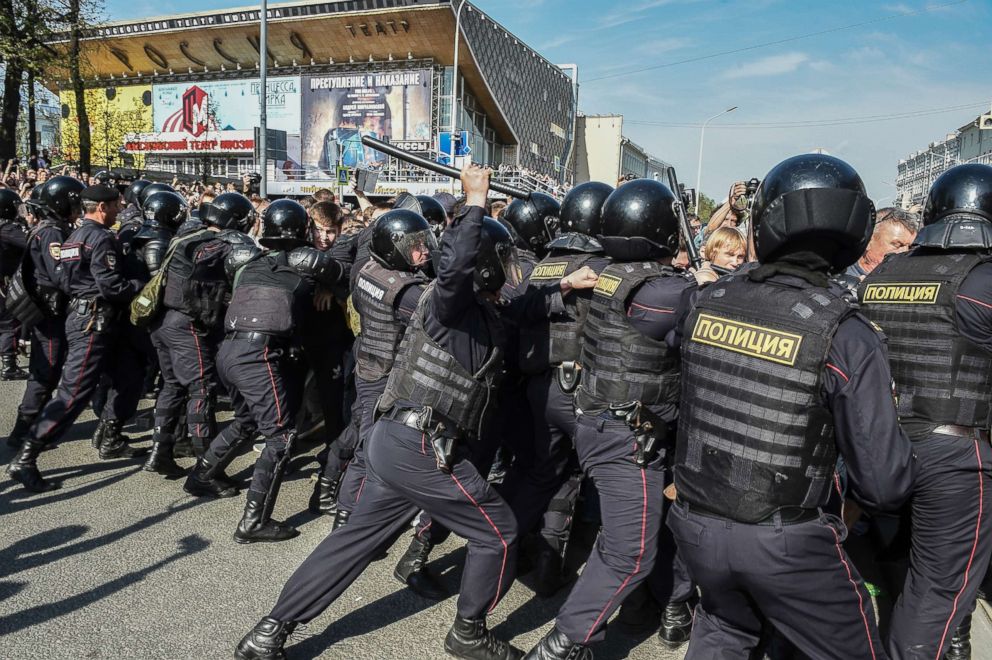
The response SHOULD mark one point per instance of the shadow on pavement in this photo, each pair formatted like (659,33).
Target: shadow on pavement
(17,557)
(16,498)
(33,616)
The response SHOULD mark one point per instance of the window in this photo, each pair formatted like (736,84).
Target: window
(535,149)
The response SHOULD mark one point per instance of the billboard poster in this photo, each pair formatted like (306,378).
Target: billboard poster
(114,112)
(339,108)
(194,108)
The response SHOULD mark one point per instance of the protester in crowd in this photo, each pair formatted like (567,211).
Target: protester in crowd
(894,232)
(724,252)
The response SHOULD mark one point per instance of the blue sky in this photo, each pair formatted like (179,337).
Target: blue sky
(893,62)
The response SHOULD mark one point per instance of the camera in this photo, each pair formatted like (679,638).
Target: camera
(742,203)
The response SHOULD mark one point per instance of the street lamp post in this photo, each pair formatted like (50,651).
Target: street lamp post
(263,98)
(699,170)
(454,84)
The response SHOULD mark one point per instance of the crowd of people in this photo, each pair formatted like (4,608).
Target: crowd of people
(485,366)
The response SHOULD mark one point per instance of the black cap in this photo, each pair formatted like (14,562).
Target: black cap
(100,193)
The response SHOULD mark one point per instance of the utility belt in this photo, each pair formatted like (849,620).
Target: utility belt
(790,515)
(446,439)
(651,432)
(102,314)
(260,338)
(917,431)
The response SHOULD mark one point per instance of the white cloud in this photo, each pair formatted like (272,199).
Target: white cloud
(661,46)
(773,65)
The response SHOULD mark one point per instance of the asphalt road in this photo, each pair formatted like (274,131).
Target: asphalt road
(120,563)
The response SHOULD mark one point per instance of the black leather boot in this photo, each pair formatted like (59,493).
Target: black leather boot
(959,648)
(24,467)
(340,519)
(114,444)
(199,483)
(676,624)
(265,641)
(549,575)
(161,460)
(98,433)
(20,431)
(10,370)
(412,571)
(183,447)
(471,640)
(555,646)
(256,527)
(324,500)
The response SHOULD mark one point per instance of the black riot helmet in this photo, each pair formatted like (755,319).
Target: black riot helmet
(403,240)
(284,225)
(814,203)
(433,212)
(535,220)
(60,196)
(582,208)
(10,204)
(151,189)
(640,221)
(165,209)
(496,263)
(958,209)
(102,177)
(229,210)
(134,190)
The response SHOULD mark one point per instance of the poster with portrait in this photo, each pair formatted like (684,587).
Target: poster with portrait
(338,109)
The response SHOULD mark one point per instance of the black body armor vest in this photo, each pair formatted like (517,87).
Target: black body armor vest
(941,377)
(425,374)
(621,365)
(755,433)
(376,291)
(177,291)
(269,297)
(559,339)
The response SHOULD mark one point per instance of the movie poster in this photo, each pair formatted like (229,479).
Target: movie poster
(338,109)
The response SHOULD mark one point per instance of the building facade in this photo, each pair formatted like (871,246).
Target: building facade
(972,143)
(182,92)
(602,153)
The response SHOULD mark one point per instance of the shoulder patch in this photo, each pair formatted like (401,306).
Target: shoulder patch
(55,250)
(111,260)
(753,340)
(899,293)
(607,285)
(552,270)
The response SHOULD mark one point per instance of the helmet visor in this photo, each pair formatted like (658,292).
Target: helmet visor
(511,265)
(417,247)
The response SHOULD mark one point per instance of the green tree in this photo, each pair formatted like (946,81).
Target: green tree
(705,207)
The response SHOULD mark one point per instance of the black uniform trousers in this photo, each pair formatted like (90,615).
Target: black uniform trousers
(402,477)
(950,547)
(10,330)
(134,352)
(353,483)
(797,576)
(265,384)
(187,358)
(532,485)
(48,350)
(631,502)
(85,362)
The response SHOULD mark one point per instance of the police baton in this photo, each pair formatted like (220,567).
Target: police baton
(438,168)
(690,244)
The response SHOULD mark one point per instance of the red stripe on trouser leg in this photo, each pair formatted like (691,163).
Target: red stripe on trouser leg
(974,549)
(861,601)
(361,487)
(506,549)
(272,381)
(637,564)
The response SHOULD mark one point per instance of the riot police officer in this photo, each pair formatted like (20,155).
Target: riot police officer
(130,220)
(258,360)
(434,403)
(549,356)
(91,273)
(143,251)
(535,221)
(626,403)
(36,298)
(13,243)
(780,376)
(935,305)
(188,333)
(385,296)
